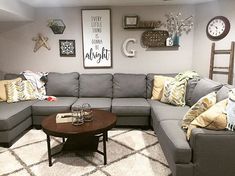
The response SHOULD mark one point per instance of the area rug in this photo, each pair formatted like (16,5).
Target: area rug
(129,152)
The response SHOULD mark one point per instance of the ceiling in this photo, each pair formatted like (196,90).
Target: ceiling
(74,3)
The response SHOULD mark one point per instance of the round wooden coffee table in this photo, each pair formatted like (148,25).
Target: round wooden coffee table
(83,137)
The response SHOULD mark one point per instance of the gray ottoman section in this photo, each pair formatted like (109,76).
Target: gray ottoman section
(96,85)
(97,103)
(45,108)
(13,114)
(63,84)
(129,85)
(130,107)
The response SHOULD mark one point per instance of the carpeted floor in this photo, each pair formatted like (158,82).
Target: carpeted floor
(130,153)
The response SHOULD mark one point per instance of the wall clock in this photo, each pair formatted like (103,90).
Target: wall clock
(217,28)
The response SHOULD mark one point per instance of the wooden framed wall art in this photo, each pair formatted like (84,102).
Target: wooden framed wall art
(97,38)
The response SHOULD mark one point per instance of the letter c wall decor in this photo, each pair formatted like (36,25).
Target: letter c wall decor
(130,53)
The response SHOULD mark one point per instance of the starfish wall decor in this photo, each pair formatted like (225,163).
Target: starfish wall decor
(40,41)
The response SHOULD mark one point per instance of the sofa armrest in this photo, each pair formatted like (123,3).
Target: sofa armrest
(213,152)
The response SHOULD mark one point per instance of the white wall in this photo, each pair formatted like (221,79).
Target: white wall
(15,11)
(202,45)
(16,46)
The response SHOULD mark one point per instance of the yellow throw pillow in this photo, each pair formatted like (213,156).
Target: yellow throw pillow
(174,92)
(158,85)
(201,106)
(214,118)
(3,96)
(20,91)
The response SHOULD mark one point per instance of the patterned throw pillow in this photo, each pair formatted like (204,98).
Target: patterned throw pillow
(158,86)
(20,91)
(3,96)
(214,118)
(174,92)
(201,106)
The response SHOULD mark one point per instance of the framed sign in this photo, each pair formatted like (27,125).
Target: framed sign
(96,37)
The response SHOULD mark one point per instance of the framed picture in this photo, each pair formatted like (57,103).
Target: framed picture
(67,48)
(130,21)
(96,37)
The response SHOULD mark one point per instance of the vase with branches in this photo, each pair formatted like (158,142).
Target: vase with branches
(176,26)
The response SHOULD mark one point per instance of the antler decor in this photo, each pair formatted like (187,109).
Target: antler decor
(177,26)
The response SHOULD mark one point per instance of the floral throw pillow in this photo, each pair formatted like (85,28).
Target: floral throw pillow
(201,106)
(174,92)
(20,91)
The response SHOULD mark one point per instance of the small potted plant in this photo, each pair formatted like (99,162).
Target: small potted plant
(56,25)
(176,26)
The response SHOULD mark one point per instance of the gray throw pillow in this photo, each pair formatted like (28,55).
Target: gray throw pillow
(96,85)
(129,85)
(223,92)
(63,84)
(150,79)
(204,87)
(189,90)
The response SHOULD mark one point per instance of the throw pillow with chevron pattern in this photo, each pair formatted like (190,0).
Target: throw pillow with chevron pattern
(20,91)
(174,92)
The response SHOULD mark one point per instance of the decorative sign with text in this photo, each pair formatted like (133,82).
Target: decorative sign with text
(96,29)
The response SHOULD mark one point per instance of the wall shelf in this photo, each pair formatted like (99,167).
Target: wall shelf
(163,48)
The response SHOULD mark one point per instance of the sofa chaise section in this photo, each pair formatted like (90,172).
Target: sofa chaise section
(14,119)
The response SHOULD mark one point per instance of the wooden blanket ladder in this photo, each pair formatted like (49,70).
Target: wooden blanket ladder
(229,69)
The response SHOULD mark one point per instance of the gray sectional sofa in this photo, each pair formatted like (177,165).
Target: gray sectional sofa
(208,153)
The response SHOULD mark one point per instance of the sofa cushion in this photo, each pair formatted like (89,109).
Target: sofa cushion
(164,111)
(97,103)
(189,90)
(9,76)
(14,113)
(96,85)
(62,84)
(223,92)
(44,107)
(172,138)
(2,74)
(150,79)
(204,87)
(129,85)
(130,107)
